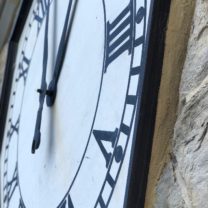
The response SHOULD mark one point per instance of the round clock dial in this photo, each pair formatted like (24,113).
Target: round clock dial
(93,52)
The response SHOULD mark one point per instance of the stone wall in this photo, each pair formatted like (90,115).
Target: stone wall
(3,56)
(8,12)
(183,181)
(177,35)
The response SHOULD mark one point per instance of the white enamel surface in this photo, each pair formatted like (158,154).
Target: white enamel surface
(108,118)
(65,127)
(69,160)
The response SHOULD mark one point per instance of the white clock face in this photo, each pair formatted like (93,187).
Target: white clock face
(86,136)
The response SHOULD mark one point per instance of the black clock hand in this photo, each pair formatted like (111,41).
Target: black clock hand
(42,90)
(52,89)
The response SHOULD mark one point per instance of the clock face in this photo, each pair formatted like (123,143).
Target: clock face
(86,137)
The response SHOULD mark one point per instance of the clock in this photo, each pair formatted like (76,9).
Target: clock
(74,103)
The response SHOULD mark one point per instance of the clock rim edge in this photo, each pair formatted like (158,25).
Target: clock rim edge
(144,128)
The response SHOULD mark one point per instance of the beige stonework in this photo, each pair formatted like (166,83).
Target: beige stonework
(8,13)
(179,24)
(3,56)
(181,179)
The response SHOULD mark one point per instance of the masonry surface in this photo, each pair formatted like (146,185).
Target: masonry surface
(179,169)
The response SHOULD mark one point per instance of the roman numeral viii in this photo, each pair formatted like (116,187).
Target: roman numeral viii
(120,34)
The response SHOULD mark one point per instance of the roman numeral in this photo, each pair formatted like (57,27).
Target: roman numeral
(70,204)
(40,12)
(23,68)
(21,204)
(67,203)
(14,128)
(120,34)
(10,187)
(106,136)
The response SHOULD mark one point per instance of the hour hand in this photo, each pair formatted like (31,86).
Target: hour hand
(36,141)
(37,133)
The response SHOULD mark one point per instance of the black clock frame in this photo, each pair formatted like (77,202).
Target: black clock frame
(9,69)
(145,122)
(145,119)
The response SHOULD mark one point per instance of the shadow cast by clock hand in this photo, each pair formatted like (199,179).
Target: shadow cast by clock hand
(51,130)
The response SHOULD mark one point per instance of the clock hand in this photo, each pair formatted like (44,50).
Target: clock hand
(42,90)
(52,88)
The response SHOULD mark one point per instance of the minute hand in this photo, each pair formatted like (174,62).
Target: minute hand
(42,90)
(52,89)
